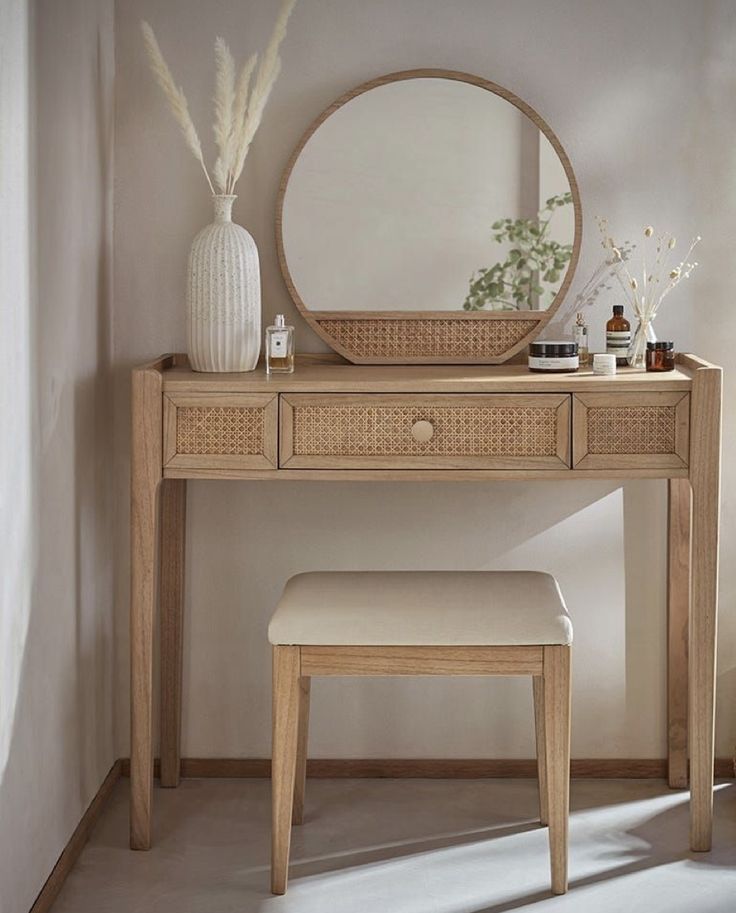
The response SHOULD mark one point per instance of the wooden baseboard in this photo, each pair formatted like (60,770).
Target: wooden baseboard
(458,769)
(70,853)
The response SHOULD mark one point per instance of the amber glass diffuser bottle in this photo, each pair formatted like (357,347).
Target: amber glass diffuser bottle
(618,335)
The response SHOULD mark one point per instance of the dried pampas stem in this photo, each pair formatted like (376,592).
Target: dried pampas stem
(175,96)
(238,107)
(266,76)
(224,125)
(241,109)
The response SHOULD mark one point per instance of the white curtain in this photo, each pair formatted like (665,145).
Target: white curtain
(16,458)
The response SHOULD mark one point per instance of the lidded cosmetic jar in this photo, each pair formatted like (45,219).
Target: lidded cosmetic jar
(660,356)
(553,357)
(604,363)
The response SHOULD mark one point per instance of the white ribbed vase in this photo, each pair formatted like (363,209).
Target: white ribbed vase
(224,295)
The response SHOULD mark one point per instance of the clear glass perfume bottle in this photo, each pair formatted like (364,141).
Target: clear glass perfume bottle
(279,347)
(580,335)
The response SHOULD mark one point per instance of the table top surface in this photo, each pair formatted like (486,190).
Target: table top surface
(328,373)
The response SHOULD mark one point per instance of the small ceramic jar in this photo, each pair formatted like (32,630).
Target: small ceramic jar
(604,363)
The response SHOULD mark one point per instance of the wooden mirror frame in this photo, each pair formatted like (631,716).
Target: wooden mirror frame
(429,337)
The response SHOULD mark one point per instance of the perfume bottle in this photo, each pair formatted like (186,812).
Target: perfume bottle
(618,335)
(580,335)
(279,347)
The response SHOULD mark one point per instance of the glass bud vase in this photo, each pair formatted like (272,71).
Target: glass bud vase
(637,352)
(224,295)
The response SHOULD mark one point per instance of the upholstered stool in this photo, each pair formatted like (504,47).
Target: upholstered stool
(420,623)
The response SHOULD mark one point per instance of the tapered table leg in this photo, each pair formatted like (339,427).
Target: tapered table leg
(557,751)
(705,447)
(678,620)
(146,466)
(171,598)
(286,701)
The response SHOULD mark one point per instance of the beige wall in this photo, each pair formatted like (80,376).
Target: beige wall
(641,97)
(56,651)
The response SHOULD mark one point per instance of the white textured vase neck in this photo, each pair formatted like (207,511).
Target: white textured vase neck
(224,206)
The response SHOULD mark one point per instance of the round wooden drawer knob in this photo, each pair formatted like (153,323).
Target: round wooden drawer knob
(422,431)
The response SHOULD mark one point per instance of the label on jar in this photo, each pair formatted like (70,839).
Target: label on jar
(618,342)
(571,363)
(279,344)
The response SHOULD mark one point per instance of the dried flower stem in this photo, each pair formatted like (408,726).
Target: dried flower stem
(175,96)
(655,286)
(238,107)
(241,112)
(266,76)
(600,278)
(224,124)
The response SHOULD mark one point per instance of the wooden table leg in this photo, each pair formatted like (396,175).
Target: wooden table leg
(146,463)
(678,620)
(171,599)
(285,725)
(705,447)
(557,751)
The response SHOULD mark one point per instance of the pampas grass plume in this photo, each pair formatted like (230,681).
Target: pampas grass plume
(268,71)
(224,125)
(174,95)
(241,111)
(238,108)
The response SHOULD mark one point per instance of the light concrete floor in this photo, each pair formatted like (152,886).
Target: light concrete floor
(408,846)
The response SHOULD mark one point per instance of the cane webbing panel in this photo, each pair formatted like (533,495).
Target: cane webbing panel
(398,338)
(383,430)
(219,430)
(631,429)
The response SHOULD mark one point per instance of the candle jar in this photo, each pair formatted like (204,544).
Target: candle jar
(660,356)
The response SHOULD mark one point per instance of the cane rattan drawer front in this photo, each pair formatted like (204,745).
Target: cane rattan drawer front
(221,431)
(412,431)
(631,430)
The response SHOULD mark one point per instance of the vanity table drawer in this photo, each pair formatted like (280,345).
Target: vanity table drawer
(631,431)
(499,431)
(216,431)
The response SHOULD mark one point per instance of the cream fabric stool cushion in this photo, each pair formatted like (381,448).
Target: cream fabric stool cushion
(421,608)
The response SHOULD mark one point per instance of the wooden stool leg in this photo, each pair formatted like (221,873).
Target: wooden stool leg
(297,815)
(557,737)
(538,685)
(286,664)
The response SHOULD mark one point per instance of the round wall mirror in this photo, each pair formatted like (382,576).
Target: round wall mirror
(428,216)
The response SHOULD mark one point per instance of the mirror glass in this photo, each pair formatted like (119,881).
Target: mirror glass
(427,194)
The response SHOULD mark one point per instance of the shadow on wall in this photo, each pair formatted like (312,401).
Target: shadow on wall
(57,708)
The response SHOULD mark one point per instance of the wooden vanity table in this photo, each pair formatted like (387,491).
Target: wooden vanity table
(427,269)
(333,420)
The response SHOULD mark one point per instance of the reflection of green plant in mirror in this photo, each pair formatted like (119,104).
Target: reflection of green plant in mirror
(533,258)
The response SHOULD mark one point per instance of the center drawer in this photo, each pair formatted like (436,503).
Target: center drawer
(412,431)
